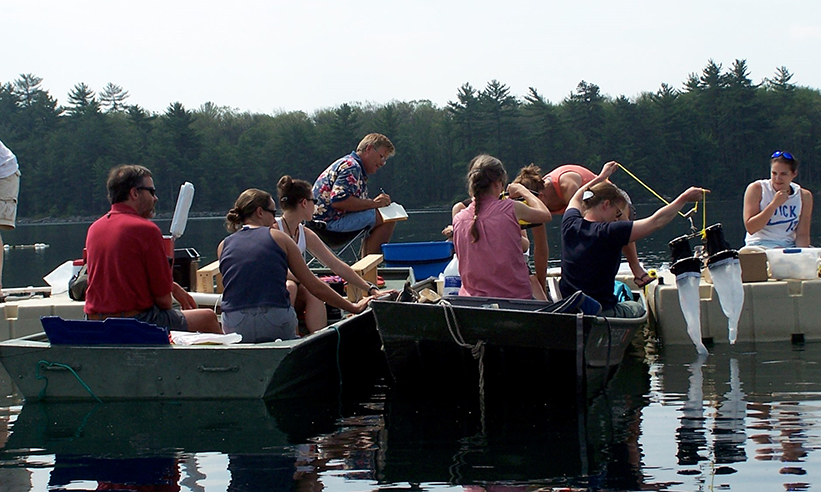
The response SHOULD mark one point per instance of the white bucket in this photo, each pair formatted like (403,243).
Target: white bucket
(794,263)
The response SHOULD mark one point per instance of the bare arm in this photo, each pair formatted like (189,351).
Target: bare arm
(330,260)
(532,210)
(164,302)
(663,216)
(754,217)
(317,287)
(802,234)
(356,204)
(458,207)
(448,230)
(576,201)
(541,253)
(525,242)
(185,299)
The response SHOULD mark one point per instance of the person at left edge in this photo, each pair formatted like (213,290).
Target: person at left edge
(9,188)
(128,271)
(341,193)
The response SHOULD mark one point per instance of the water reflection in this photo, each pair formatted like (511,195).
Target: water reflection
(720,429)
(744,418)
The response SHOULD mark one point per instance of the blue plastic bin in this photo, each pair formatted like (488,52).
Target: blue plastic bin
(428,259)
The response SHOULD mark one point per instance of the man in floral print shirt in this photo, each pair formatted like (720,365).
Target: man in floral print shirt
(341,193)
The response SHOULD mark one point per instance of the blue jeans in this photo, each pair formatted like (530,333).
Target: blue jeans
(353,221)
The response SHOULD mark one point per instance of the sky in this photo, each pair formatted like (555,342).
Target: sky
(271,56)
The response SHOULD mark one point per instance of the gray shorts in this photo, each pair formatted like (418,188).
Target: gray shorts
(9,189)
(626,309)
(261,324)
(166,318)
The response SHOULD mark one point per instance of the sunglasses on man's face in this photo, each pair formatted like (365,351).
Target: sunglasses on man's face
(149,189)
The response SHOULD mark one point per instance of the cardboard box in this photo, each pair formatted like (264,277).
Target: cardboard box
(753,266)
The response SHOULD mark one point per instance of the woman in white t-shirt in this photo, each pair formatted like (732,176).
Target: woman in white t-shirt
(777,211)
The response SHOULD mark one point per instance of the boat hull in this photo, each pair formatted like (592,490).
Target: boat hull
(426,349)
(350,350)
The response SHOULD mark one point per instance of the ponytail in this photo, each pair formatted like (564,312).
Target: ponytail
(474,230)
(484,171)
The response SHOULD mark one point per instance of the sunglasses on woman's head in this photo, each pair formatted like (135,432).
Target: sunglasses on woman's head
(786,155)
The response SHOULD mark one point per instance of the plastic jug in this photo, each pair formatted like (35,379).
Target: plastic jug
(453,282)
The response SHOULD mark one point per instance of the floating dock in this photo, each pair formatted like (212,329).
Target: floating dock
(774,311)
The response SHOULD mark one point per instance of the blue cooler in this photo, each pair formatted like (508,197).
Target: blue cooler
(428,259)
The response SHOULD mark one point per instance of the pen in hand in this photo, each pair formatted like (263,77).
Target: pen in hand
(382,191)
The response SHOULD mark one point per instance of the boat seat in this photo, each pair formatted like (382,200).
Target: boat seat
(111,331)
(338,242)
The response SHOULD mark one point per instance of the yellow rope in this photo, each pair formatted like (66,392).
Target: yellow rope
(703,214)
(651,189)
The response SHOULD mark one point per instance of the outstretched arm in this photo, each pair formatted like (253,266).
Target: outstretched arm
(663,216)
(339,267)
(317,287)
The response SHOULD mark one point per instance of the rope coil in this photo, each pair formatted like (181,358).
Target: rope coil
(43,362)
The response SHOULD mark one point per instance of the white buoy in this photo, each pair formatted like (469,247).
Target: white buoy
(180,219)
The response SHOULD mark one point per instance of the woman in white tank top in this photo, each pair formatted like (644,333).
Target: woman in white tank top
(297,202)
(777,211)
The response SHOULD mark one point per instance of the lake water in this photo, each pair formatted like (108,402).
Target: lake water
(26,266)
(747,417)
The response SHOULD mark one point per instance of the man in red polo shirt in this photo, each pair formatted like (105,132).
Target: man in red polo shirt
(128,271)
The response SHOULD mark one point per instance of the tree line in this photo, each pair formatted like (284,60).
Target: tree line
(717,130)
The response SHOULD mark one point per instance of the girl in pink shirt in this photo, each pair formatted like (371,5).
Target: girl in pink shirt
(487,235)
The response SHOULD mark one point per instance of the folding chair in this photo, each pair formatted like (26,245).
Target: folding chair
(338,242)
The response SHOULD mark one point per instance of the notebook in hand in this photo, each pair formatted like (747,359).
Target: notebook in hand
(393,212)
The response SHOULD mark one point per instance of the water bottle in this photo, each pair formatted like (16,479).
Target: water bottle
(453,282)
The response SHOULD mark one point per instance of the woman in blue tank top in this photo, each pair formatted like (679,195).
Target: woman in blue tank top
(254,263)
